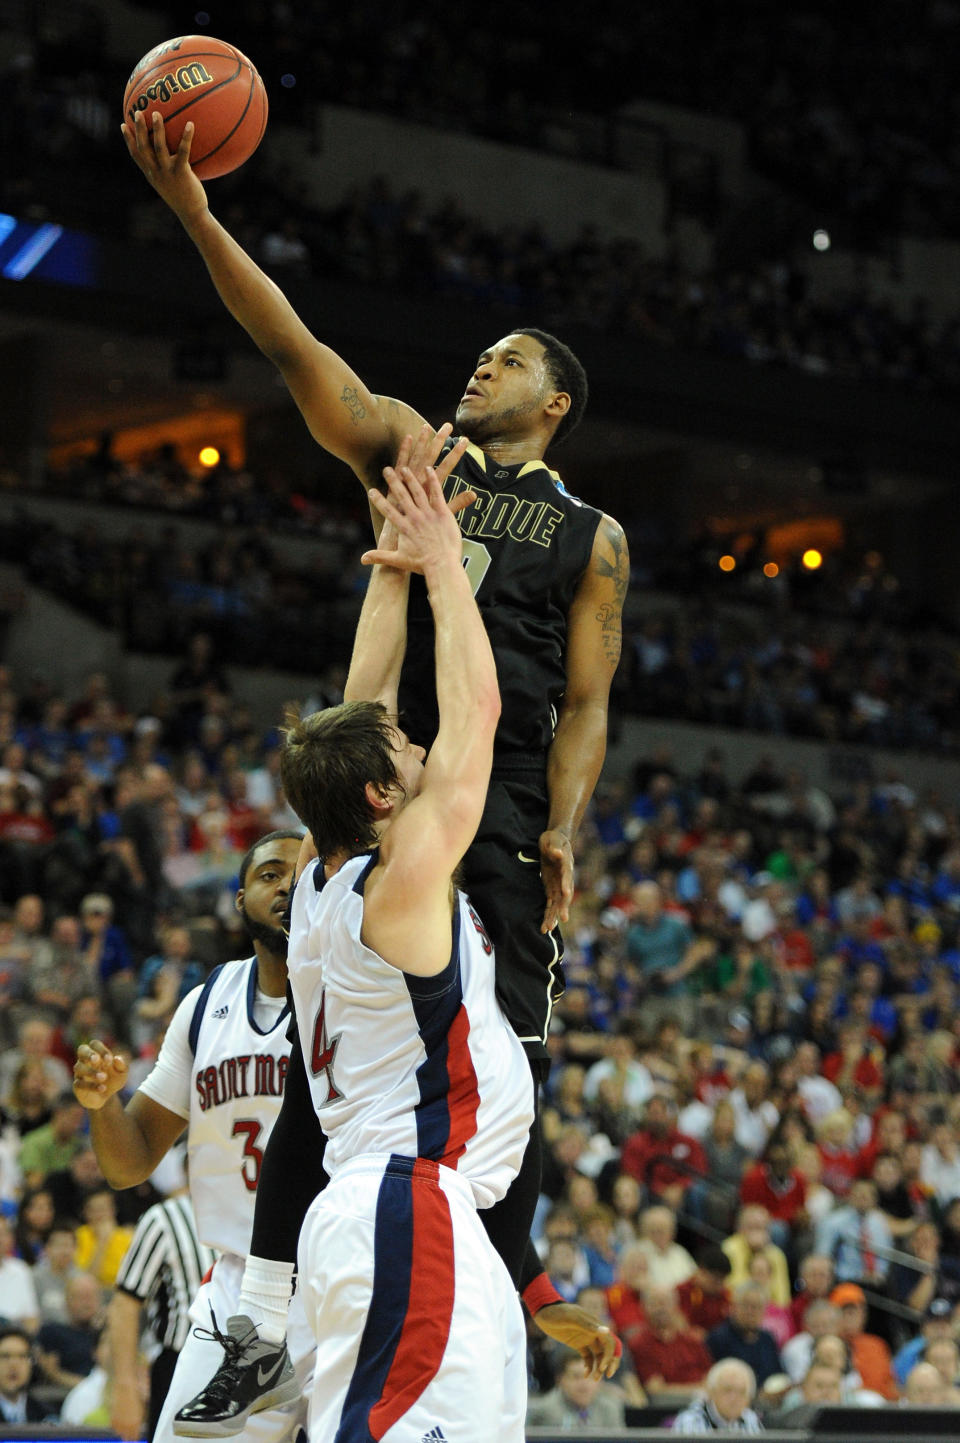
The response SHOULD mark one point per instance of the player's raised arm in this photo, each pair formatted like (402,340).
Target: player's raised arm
(360,428)
(381,637)
(407,916)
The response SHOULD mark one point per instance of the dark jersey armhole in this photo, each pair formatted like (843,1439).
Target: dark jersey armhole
(201,1007)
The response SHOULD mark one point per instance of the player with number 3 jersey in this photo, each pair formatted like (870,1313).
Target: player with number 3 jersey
(220,1074)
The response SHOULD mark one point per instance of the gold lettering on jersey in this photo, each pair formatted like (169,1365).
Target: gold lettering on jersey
(498,513)
(523,521)
(500,510)
(546,526)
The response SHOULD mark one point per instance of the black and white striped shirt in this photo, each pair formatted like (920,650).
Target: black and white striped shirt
(164,1267)
(701,1416)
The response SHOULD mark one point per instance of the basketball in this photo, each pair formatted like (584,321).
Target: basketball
(211,83)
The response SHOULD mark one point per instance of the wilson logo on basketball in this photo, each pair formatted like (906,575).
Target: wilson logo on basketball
(188,77)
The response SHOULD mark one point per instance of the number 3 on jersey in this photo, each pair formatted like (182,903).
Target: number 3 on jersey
(476,562)
(252,1155)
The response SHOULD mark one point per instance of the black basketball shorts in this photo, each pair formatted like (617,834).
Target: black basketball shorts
(501,876)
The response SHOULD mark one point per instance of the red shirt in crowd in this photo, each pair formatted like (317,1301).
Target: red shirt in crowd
(626,1311)
(650,1159)
(701,1309)
(838,1167)
(713,1084)
(781,1200)
(797,951)
(798,1309)
(681,1358)
(866,1074)
(25,827)
(245,825)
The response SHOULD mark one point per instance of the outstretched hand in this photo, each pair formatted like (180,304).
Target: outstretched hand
(568,1323)
(417,458)
(97,1074)
(171,175)
(556,870)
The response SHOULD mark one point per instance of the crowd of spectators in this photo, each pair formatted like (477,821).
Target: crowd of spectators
(262,604)
(837,656)
(753,1106)
(761,312)
(841,146)
(856,114)
(846,681)
(752,1119)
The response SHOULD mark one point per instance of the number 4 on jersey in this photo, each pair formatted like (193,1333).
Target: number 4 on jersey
(324,1052)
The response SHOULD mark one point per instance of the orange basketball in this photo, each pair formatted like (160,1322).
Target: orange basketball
(211,83)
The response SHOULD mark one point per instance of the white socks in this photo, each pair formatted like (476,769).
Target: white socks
(264,1296)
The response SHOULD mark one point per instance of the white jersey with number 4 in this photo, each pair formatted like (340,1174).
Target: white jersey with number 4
(424,1067)
(222,1067)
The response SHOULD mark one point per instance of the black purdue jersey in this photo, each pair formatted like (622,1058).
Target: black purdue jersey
(527,543)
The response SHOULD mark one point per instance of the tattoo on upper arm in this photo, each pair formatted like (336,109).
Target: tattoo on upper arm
(351,399)
(611,632)
(616,567)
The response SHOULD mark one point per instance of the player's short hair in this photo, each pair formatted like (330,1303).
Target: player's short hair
(285,834)
(326,762)
(567,374)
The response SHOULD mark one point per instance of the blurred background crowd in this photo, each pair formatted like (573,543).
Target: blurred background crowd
(857,123)
(754,1108)
(843,656)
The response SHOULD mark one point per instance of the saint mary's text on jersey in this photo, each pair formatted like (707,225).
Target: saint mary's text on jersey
(253,1075)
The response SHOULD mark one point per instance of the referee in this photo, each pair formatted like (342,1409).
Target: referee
(162,1271)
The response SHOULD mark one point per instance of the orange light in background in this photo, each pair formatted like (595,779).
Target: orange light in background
(771,569)
(789,539)
(209,456)
(727,563)
(812,559)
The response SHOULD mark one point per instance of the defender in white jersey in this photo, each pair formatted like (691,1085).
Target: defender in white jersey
(426,1067)
(220,1074)
(421,1086)
(425,1095)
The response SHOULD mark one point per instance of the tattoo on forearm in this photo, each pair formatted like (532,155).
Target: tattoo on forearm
(617,568)
(353,403)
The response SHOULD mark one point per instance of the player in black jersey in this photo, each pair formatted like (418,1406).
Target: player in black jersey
(549,575)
